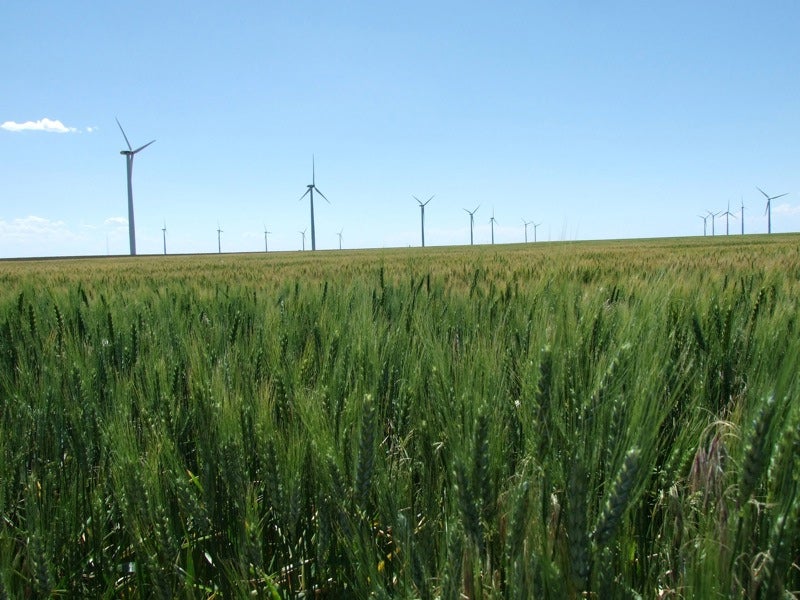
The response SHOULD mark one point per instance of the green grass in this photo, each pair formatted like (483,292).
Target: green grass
(613,419)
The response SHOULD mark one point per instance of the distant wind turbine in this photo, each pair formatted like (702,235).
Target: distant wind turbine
(164,233)
(728,214)
(266,233)
(422,215)
(713,218)
(492,222)
(310,193)
(535,227)
(340,238)
(526,223)
(741,214)
(471,221)
(303,233)
(768,210)
(705,224)
(219,239)
(129,154)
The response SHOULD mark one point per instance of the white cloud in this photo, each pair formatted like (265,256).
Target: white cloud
(33,226)
(786,209)
(116,221)
(53,126)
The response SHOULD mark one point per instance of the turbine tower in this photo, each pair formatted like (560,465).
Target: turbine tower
(266,233)
(422,215)
(535,227)
(303,233)
(526,223)
(471,221)
(768,211)
(310,193)
(129,154)
(340,238)
(492,222)
(164,233)
(219,239)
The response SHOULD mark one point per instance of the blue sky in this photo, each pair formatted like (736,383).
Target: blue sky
(597,120)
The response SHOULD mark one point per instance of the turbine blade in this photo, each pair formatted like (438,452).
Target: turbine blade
(321,194)
(312,169)
(140,148)
(123,134)
(417,199)
(304,195)
(763,192)
(780,196)
(429,199)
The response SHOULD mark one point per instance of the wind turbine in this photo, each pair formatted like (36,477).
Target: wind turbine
(129,154)
(492,222)
(266,246)
(535,227)
(728,214)
(303,233)
(741,214)
(422,215)
(340,238)
(705,223)
(310,192)
(526,223)
(219,239)
(164,233)
(713,218)
(471,221)
(768,211)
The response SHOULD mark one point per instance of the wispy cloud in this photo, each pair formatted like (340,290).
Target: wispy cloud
(48,125)
(116,221)
(786,209)
(33,226)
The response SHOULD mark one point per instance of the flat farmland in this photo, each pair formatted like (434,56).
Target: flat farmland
(591,419)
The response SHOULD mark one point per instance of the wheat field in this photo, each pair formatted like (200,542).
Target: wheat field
(559,420)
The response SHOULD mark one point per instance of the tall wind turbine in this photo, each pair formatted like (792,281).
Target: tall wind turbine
(705,224)
(422,215)
(526,223)
(164,232)
(310,193)
(535,227)
(266,233)
(728,214)
(219,239)
(492,222)
(340,238)
(768,211)
(303,233)
(129,154)
(471,221)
